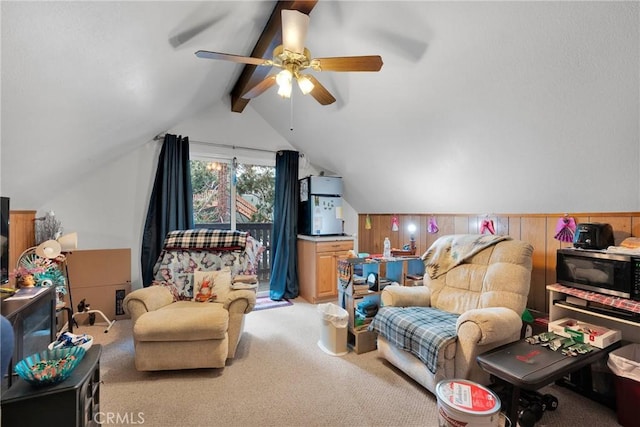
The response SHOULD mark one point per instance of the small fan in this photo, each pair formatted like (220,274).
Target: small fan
(28,259)
(293,58)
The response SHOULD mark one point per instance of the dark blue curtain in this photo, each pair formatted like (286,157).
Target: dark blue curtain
(171,204)
(284,256)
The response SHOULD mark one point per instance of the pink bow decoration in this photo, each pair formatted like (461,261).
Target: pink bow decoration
(487,224)
(432,227)
(565,229)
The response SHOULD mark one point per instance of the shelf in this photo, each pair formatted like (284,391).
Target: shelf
(560,308)
(596,314)
(393,269)
(616,302)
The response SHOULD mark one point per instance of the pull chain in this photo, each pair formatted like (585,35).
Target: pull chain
(291,113)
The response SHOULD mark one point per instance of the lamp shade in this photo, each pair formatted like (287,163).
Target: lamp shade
(294,30)
(68,242)
(48,249)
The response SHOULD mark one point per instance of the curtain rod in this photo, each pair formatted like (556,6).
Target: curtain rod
(160,137)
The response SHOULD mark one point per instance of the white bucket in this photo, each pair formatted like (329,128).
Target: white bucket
(463,403)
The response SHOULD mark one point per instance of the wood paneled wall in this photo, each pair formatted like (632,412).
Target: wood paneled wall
(537,229)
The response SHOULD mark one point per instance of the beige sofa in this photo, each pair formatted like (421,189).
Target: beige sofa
(171,330)
(484,282)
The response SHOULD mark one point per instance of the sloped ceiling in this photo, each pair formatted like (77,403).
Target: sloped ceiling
(474,98)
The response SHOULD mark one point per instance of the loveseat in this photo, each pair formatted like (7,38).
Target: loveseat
(475,291)
(193,314)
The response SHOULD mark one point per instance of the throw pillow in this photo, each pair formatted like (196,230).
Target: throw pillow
(203,283)
(211,285)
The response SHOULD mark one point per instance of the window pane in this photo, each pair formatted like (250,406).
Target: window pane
(255,192)
(211,192)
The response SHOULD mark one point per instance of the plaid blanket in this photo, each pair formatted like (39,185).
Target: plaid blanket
(202,238)
(422,331)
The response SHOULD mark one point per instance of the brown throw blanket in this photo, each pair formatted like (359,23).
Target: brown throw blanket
(449,251)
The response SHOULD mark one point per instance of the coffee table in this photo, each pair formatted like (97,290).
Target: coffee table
(529,367)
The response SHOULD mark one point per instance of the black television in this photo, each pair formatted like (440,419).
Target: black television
(4,240)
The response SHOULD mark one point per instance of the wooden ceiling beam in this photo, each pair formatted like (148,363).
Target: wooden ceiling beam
(270,38)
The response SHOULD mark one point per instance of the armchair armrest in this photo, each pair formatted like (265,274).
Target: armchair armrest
(238,300)
(406,296)
(489,325)
(147,299)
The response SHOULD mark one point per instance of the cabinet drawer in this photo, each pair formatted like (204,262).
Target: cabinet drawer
(335,246)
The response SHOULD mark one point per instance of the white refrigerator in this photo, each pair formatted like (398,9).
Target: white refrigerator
(320,209)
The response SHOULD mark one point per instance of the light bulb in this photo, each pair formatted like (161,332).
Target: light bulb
(305,84)
(411,228)
(283,79)
(285,90)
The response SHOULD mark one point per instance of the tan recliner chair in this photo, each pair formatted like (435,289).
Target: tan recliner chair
(186,334)
(170,329)
(484,281)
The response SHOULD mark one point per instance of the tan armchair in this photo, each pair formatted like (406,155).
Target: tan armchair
(171,330)
(172,334)
(483,282)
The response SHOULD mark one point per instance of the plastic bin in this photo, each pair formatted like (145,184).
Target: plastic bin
(333,332)
(625,364)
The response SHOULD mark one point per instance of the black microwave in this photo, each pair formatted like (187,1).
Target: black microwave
(599,271)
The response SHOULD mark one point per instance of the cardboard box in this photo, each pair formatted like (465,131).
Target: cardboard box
(597,336)
(108,299)
(102,277)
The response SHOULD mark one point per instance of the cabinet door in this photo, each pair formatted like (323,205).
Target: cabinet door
(22,236)
(327,275)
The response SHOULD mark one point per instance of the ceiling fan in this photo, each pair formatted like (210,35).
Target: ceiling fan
(293,58)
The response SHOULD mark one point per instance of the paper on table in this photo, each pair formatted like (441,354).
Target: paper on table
(27,293)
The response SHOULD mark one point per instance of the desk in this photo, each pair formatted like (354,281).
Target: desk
(531,367)
(34,325)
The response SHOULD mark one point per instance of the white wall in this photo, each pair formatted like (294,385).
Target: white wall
(108,207)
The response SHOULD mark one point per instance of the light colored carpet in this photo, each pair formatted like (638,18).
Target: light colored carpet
(280,377)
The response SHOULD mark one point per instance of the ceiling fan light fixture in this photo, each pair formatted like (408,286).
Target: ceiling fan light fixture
(305,84)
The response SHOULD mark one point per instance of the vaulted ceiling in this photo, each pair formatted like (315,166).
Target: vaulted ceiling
(467,90)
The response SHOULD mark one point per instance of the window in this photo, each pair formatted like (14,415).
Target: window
(252,210)
(212,192)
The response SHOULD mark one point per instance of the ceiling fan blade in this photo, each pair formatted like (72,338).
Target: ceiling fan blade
(233,58)
(319,92)
(260,87)
(294,30)
(348,63)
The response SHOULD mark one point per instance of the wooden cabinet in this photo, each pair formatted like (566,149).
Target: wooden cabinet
(22,236)
(318,266)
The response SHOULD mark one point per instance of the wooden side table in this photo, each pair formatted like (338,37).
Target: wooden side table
(73,402)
